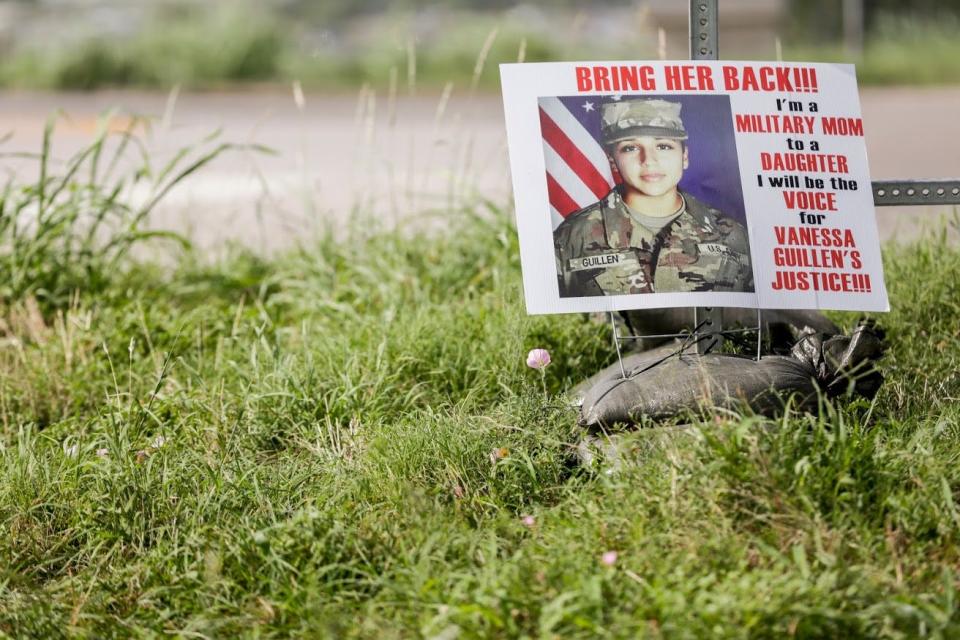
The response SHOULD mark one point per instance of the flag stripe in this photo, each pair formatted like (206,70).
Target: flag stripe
(559,198)
(566,177)
(577,161)
(578,172)
(577,134)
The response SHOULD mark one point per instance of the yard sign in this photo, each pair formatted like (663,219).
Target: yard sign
(764,162)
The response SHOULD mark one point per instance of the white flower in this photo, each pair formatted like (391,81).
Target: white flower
(158,442)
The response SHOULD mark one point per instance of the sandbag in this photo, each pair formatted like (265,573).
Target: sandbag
(781,327)
(674,381)
(633,364)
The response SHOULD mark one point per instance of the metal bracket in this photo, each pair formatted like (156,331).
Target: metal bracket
(711,320)
(888,193)
(707,333)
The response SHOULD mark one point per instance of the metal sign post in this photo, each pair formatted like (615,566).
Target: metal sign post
(704,45)
(708,331)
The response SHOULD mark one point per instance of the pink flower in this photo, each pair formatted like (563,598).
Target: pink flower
(609,558)
(528,521)
(538,359)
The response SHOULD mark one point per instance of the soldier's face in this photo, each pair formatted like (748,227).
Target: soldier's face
(651,166)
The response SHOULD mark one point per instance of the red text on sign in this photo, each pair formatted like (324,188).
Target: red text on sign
(821,281)
(811,200)
(781,79)
(615,78)
(807,162)
(688,77)
(814,236)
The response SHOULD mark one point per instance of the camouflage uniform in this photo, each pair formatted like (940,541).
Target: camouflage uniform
(603,250)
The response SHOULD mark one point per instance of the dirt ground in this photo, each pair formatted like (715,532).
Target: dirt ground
(335,154)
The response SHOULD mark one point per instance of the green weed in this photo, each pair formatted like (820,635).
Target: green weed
(76,225)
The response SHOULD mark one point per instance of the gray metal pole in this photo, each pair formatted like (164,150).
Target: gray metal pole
(704,32)
(704,45)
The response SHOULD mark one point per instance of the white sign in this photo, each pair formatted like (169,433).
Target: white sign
(691,183)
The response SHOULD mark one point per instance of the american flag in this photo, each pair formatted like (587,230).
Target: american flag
(578,173)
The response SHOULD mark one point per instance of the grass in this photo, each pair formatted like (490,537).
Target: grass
(343,441)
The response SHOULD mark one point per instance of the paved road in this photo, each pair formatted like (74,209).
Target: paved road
(343,153)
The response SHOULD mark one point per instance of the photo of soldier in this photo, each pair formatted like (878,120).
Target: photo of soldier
(647,235)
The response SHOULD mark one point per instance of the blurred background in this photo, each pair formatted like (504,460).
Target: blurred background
(341,44)
(391,107)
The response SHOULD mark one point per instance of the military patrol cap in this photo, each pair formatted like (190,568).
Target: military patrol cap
(644,117)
